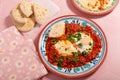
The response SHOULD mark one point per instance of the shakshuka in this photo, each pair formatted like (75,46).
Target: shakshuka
(72,45)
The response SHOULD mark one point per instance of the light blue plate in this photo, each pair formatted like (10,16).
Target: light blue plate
(77,71)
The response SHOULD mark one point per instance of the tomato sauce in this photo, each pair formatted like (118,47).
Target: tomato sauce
(65,61)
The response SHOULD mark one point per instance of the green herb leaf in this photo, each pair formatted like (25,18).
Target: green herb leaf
(90,44)
(75,59)
(84,53)
(70,37)
(60,62)
(75,53)
(59,65)
(74,37)
(54,41)
(80,44)
(77,36)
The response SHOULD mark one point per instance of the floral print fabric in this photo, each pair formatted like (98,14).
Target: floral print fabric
(18,58)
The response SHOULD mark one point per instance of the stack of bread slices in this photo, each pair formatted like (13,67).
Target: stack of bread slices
(26,14)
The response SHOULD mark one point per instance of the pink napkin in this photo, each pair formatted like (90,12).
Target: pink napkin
(18,60)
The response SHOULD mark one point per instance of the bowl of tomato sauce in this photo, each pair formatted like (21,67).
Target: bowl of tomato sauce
(72,46)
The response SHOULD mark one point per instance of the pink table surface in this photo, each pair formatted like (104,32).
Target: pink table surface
(110,25)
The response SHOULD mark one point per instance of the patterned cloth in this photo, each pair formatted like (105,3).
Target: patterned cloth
(18,60)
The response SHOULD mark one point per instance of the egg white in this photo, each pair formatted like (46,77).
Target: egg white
(85,41)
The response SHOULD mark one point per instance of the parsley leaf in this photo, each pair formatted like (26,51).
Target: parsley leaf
(54,41)
(75,59)
(77,36)
(70,37)
(60,62)
(84,53)
(80,44)
(75,53)
(90,44)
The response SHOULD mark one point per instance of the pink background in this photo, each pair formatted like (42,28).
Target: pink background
(109,23)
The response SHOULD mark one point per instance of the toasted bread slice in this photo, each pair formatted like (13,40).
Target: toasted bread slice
(29,25)
(39,13)
(18,16)
(57,30)
(26,8)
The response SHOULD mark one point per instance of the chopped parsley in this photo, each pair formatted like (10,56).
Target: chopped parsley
(54,41)
(75,53)
(81,61)
(75,59)
(60,62)
(90,44)
(84,53)
(77,36)
(70,37)
(80,44)
(74,37)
